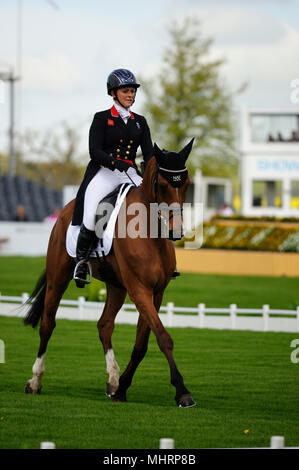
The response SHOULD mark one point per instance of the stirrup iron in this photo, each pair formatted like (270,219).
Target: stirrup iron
(89,273)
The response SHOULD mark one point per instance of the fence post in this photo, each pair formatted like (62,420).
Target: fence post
(277,442)
(166,443)
(201,313)
(81,303)
(25,297)
(233,315)
(2,352)
(266,317)
(47,445)
(169,311)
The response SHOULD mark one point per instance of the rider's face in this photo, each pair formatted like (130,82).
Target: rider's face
(125,96)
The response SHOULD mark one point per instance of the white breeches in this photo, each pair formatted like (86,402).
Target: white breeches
(102,184)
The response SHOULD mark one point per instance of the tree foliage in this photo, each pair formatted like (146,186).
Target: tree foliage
(51,157)
(188,99)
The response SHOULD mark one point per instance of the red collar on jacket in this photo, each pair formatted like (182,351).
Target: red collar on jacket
(115,113)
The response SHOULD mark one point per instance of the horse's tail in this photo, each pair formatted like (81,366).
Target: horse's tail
(35,312)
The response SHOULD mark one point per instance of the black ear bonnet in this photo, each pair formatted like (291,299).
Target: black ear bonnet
(171,165)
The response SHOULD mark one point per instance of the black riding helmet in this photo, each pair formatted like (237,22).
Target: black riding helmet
(120,78)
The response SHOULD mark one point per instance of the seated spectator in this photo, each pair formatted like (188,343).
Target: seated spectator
(53,217)
(294,136)
(21,215)
(271,138)
(225,210)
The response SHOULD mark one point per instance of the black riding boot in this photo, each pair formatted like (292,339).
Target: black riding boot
(86,243)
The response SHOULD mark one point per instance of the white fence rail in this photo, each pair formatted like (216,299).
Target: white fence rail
(233,318)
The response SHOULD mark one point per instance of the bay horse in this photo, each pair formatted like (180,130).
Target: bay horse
(141,267)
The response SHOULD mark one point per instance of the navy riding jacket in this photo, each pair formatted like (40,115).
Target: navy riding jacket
(110,136)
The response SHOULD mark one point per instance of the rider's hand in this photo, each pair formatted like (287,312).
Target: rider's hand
(121,165)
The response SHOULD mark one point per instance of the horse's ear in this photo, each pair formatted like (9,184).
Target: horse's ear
(158,153)
(184,153)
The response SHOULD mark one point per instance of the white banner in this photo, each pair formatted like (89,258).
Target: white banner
(24,238)
(272,167)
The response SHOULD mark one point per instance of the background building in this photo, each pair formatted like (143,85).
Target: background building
(270,162)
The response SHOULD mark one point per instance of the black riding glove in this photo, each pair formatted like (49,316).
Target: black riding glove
(121,165)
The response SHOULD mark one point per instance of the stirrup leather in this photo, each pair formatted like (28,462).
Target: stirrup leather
(77,278)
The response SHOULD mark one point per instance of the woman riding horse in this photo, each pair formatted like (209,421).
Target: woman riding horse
(114,137)
(142,267)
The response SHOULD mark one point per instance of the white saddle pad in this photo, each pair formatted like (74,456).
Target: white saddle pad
(73,230)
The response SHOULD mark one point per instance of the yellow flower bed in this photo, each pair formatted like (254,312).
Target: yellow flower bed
(249,237)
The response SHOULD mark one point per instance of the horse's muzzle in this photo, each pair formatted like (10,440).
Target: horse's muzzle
(173,218)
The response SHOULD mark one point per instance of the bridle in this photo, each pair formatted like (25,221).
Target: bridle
(173,210)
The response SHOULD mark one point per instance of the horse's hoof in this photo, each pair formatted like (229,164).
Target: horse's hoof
(185,401)
(119,396)
(110,390)
(30,390)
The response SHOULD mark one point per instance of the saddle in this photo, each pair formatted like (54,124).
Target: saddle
(106,216)
(103,214)
(105,208)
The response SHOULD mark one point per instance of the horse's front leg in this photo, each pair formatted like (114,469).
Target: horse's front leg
(114,301)
(138,353)
(144,303)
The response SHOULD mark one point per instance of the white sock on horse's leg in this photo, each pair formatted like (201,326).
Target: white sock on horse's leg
(112,370)
(38,370)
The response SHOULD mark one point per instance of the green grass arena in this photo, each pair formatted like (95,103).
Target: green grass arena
(244,383)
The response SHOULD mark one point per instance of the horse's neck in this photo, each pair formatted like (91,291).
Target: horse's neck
(143,213)
(147,215)
(147,185)
(145,194)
